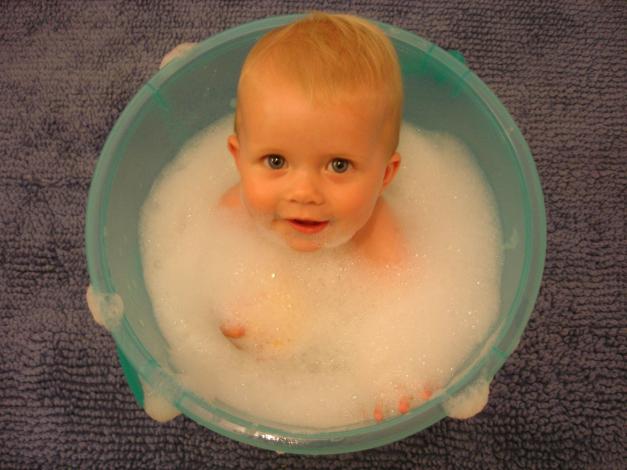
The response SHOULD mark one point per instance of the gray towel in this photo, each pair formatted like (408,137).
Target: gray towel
(68,68)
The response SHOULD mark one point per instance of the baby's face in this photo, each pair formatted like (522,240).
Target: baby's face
(310,174)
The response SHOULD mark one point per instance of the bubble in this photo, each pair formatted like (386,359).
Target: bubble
(325,335)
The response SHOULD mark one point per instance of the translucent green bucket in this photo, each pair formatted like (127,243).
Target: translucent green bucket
(191,93)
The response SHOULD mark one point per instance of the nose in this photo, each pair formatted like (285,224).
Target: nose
(305,188)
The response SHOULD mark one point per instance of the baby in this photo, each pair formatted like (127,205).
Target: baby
(316,131)
(319,105)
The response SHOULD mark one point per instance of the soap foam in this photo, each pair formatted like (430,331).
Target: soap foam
(328,337)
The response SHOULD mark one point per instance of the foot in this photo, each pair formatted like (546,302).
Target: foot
(405,402)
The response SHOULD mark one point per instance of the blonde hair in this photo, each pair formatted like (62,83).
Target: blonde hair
(331,56)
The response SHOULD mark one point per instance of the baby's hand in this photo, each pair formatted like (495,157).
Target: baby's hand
(268,325)
(233,330)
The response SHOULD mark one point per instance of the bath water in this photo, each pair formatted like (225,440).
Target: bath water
(330,339)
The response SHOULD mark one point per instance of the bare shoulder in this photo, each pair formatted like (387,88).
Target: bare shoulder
(383,241)
(231,198)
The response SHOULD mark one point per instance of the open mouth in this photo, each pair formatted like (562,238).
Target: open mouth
(308,226)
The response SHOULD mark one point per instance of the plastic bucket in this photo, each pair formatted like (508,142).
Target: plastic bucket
(192,92)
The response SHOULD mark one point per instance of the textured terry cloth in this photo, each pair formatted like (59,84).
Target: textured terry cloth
(67,69)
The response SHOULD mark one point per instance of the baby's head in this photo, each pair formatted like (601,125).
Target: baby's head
(318,115)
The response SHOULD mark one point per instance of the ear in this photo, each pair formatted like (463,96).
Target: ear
(232,144)
(391,168)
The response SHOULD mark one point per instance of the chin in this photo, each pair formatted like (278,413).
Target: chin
(303,245)
(316,243)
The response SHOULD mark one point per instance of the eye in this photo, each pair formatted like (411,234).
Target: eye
(274,161)
(339,165)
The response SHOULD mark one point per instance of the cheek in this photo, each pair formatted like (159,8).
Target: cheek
(258,195)
(359,201)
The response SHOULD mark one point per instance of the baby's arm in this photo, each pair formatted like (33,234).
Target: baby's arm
(382,240)
(231,198)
